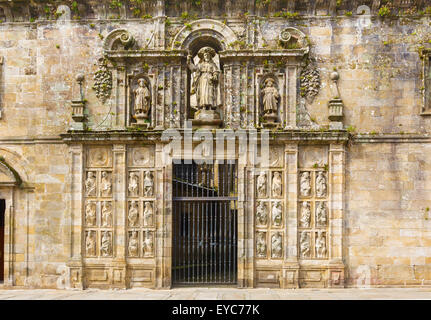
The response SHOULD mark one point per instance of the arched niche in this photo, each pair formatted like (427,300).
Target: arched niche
(277,85)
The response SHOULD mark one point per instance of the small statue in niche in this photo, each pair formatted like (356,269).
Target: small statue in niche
(320,184)
(106,184)
(90,214)
(270,101)
(90,244)
(321,214)
(133,184)
(321,245)
(276,184)
(148,213)
(261,244)
(276,242)
(90,184)
(133,213)
(276,214)
(261,215)
(148,184)
(142,101)
(148,244)
(133,244)
(106,214)
(305,214)
(304,245)
(105,247)
(261,185)
(305,184)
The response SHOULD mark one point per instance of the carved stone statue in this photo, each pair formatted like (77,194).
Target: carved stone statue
(90,184)
(320,245)
(133,216)
(148,213)
(106,214)
(261,184)
(305,184)
(106,184)
(261,213)
(142,101)
(133,184)
(148,244)
(105,248)
(90,243)
(320,184)
(305,214)
(277,214)
(148,184)
(276,184)
(304,245)
(270,101)
(133,244)
(321,214)
(261,244)
(90,214)
(277,245)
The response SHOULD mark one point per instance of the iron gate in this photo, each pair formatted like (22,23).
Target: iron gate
(204,223)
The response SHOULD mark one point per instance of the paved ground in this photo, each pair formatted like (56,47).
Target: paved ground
(218,294)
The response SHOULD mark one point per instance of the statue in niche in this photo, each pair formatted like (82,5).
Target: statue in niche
(276,184)
(261,244)
(321,214)
(90,243)
(276,214)
(261,185)
(142,101)
(148,213)
(90,184)
(106,214)
(320,245)
(270,102)
(133,184)
(133,244)
(276,242)
(304,245)
(305,214)
(148,184)
(133,213)
(305,184)
(148,244)
(106,245)
(90,214)
(320,184)
(261,214)
(106,184)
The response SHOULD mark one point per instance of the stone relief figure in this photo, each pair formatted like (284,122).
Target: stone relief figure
(276,243)
(320,245)
(148,244)
(304,245)
(106,184)
(105,248)
(261,213)
(90,214)
(276,184)
(270,101)
(305,214)
(133,244)
(148,213)
(148,184)
(106,214)
(320,184)
(261,244)
(142,99)
(276,214)
(90,243)
(133,213)
(261,185)
(321,214)
(133,184)
(305,184)
(90,184)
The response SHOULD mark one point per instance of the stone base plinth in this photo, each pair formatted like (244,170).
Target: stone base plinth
(207,119)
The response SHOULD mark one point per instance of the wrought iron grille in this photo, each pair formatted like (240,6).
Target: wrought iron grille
(204,224)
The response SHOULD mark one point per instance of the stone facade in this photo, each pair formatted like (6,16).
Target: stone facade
(92,94)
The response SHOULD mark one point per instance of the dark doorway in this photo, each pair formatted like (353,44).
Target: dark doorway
(204,241)
(2,214)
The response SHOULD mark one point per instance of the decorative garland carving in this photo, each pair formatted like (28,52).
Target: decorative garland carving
(310,82)
(103,81)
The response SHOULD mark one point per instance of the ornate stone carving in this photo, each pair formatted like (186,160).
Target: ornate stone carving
(304,244)
(276,184)
(292,38)
(106,214)
(261,213)
(133,184)
(276,157)
(133,215)
(270,98)
(277,214)
(142,102)
(148,184)
(98,157)
(148,244)
(305,214)
(277,245)
(320,245)
(261,244)
(141,156)
(118,39)
(106,244)
(261,185)
(310,82)
(321,214)
(148,213)
(103,81)
(133,246)
(106,184)
(90,214)
(90,243)
(305,184)
(90,184)
(321,184)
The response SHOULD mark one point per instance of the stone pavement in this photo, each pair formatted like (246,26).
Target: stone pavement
(218,294)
